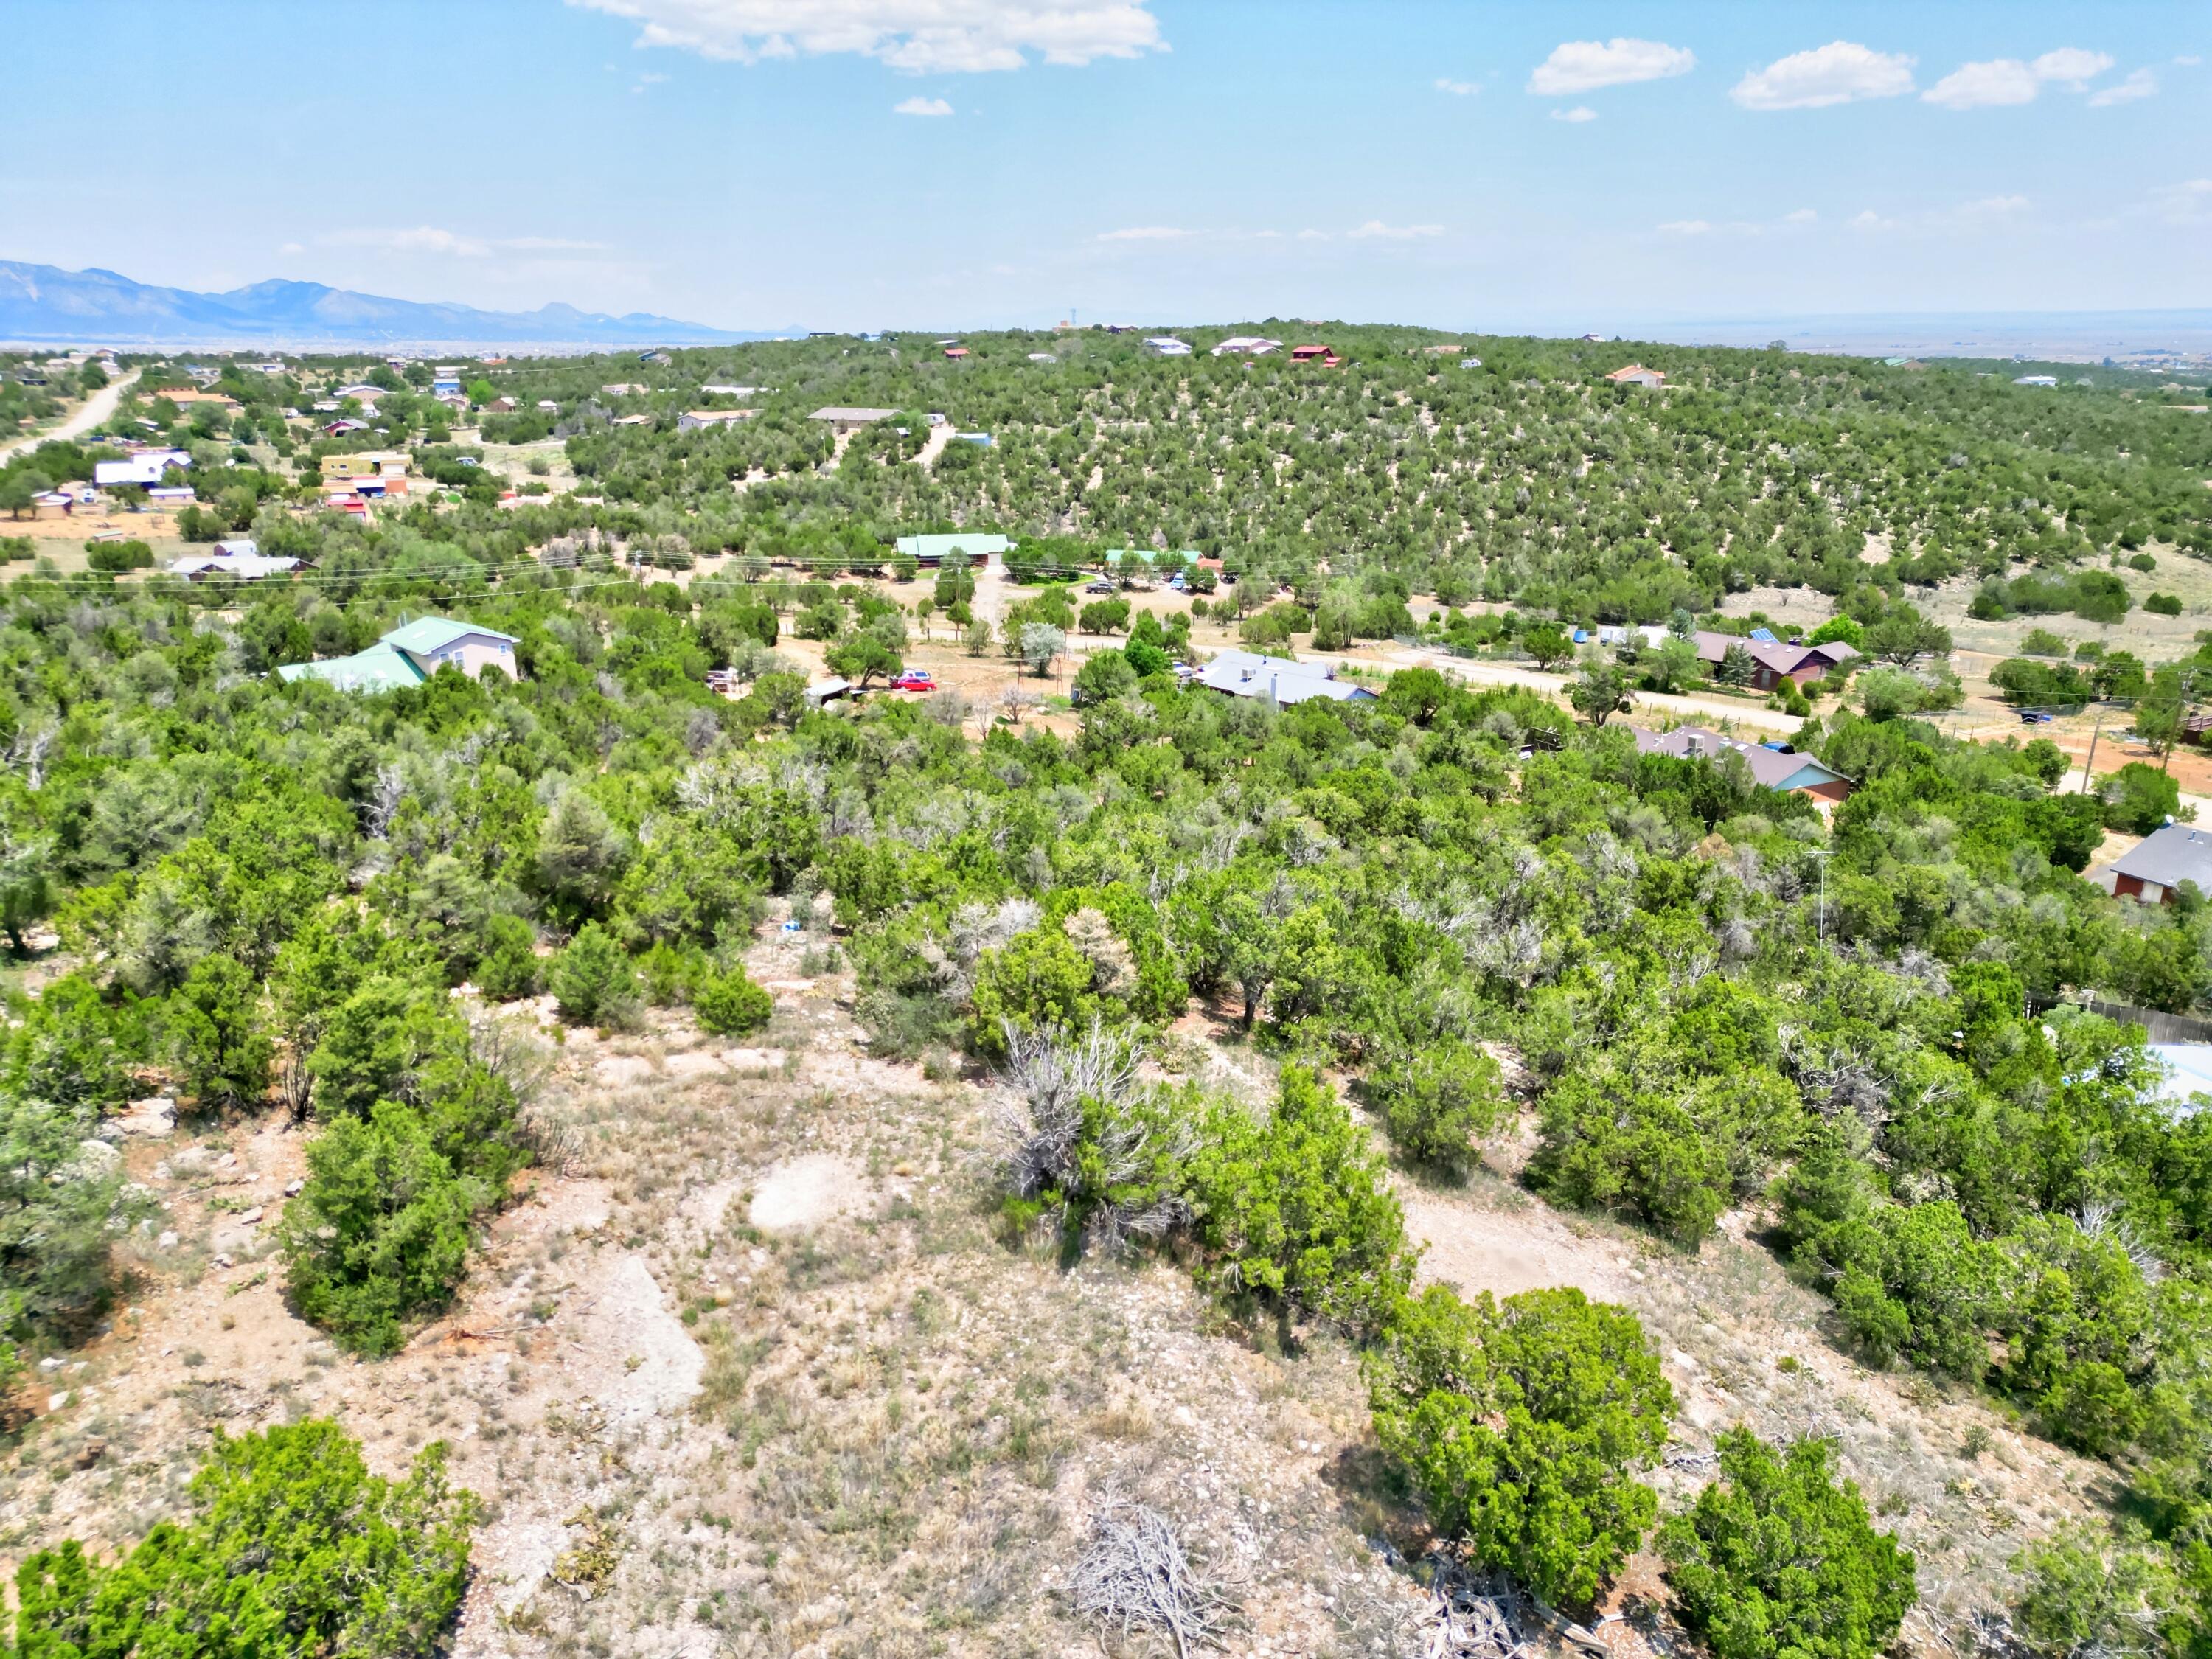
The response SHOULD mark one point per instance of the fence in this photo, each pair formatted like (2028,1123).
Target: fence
(2158,1027)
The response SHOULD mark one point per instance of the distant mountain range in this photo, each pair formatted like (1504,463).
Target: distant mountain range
(44,305)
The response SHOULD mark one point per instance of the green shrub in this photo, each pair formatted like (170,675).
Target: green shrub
(1777,1559)
(730,1004)
(592,981)
(1437,1100)
(1299,1208)
(376,1043)
(214,1023)
(292,1547)
(380,1233)
(2163,605)
(60,1209)
(2139,798)
(509,968)
(1522,1425)
(1036,979)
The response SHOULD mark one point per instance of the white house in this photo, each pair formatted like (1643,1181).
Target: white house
(1246,346)
(146,467)
(1166,345)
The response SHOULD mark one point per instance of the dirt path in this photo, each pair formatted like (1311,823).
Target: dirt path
(96,412)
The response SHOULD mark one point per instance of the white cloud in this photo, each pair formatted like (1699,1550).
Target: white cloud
(2140,84)
(1841,72)
(2189,202)
(292,248)
(2188,60)
(1144,233)
(430,239)
(2072,65)
(2004,80)
(918,36)
(922,106)
(1985,86)
(1309,235)
(1986,213)
(1576,66)
(1578,114)
(1459,88)
(1375,229)
(1802,216)
(1686,227)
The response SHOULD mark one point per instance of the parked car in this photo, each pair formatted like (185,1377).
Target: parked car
(914,679)
(1102,586)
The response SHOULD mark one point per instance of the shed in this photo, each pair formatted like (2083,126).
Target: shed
(2152,873)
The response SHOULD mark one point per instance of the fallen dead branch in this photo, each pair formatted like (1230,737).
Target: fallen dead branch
(1133,1574)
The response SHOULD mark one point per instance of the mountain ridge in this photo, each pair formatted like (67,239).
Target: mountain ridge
(42,305)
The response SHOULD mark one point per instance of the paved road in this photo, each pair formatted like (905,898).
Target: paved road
(97,409)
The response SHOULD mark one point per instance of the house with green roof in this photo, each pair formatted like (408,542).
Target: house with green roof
(980,548)
(410,653)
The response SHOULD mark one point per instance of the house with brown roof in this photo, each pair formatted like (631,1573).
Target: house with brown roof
(1772,661)
(1637,374)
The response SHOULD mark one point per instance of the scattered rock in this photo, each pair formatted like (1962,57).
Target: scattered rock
(56,1400)
(251,1217)
(93,1158)
(292,1188)
(50,1364)
(624,1069)
(153,1119)
(222,1261)
(167,1241)
(89,1453)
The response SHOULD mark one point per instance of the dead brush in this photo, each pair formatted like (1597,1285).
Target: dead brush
(1133,1575)
(1051,1076)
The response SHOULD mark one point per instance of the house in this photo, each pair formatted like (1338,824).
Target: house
(238,547)
(2168,857)
(819,692)
(339,428)
(1166,345)
(454,400)
(692,419)
(171,495)
(502,406)
(185,399)
(52,504)
(980,440)
(146,467)
(326,405)
(385,465)
(634,420)
(729,391)
(1246,346)
(1443,348)
(1279,679)
(1596,339)
(1043,357)
(929,551)
(1771,662)
(1470,362)
(442,389)
(1772,769)
(1315,354)
(546,405)
(363,393)
(843,420)
(410,653)
(1637,374)
(654,357)
(954,354)
(2036,380)
(622,389)
(245,567)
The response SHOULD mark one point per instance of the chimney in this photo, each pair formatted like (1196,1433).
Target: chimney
(1694,746)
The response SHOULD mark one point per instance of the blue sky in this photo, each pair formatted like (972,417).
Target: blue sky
(746,163)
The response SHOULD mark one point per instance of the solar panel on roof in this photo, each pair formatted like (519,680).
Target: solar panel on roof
(1764,636)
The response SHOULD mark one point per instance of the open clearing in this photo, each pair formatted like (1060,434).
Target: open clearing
(756,1374)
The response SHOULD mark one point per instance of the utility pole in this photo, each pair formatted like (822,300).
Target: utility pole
(2091,761)
(1824,854)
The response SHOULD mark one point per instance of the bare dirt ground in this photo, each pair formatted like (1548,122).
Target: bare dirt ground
(757,1373)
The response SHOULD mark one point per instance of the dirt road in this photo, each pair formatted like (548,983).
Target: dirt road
(96,412)
(1476,672)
